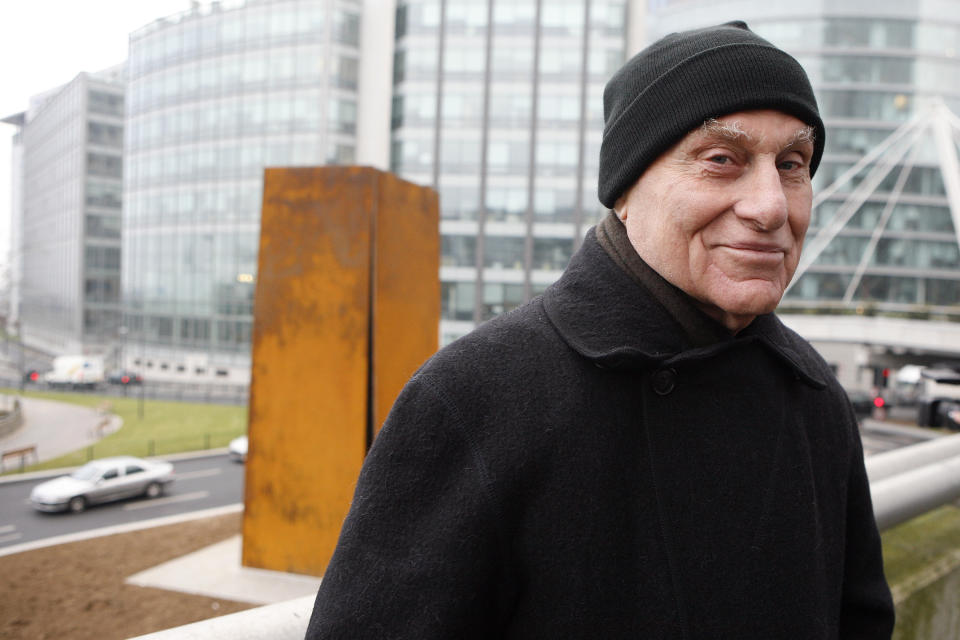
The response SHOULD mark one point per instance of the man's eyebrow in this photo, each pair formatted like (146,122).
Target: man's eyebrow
(731,131)
(728,130)
(803,136)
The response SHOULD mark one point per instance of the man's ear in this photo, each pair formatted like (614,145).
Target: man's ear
(619,207)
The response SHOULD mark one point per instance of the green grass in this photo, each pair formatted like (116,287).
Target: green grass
(919,543)
(922,564)
(166,427)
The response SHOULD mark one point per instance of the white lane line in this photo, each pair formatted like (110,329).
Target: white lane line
(202,473)
(123,528)
(7,528)
(156,502)
(10,538)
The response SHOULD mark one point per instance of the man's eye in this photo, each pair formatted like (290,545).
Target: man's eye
(719,159)
(789,165)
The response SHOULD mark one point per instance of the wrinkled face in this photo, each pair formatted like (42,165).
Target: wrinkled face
(722,214)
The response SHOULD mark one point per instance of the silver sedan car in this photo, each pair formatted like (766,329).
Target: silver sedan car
(103,480)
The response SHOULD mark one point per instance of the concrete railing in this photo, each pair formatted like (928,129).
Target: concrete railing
(904,483)
(281,621)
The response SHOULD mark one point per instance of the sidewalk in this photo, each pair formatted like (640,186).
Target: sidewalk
(57,428)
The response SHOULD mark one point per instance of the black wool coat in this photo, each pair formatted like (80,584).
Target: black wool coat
(572,469)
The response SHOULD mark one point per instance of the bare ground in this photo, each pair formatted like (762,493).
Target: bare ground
(77,590)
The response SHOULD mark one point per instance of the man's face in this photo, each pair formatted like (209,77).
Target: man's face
(722,214)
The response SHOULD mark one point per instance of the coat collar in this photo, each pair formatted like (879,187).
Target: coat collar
(608,317)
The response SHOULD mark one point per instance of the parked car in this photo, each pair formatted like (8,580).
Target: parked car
(103,480)
(238,449)
(863,403)
(124,377)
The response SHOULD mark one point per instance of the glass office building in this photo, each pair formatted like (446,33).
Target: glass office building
(216,94)
(67,215)
(885,236)
(498,105)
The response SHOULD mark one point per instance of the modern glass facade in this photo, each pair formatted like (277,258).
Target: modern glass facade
(68,226)
(878,70)
(217,94)
(498,105)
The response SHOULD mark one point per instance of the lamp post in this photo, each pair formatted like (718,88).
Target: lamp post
(122,331)
(22,365)
(143,356)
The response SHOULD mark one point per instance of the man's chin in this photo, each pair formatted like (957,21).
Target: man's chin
(747,301)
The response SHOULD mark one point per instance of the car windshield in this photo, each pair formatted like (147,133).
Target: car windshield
(88,472)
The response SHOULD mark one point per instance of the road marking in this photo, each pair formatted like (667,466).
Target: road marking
(123,528)
(202,473)
(7,529)
(10,538)
(156,502)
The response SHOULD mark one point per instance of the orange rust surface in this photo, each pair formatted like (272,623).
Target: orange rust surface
(406,302)
(339,266)
(308,392)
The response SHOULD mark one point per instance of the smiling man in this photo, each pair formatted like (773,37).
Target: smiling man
(645,451)
(722,214)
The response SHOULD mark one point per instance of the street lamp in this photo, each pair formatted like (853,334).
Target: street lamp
(122,331)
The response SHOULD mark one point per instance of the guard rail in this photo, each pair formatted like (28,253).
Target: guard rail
(904,483)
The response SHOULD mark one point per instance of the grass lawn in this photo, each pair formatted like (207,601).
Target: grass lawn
(921,559)
(913,547)
(166,427)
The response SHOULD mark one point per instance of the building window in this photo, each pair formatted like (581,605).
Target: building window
(343,115)
(106,103)
(346,28)
(105,135)
(458,300)
(100,164)
(458,251)
(500,298)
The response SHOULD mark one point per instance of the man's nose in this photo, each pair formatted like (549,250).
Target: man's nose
(762,202)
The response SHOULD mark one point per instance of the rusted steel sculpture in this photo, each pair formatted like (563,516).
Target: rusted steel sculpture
(347,307)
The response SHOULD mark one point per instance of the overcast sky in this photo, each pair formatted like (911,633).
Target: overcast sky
(46,43)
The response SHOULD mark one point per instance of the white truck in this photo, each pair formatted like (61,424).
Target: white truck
(76,372)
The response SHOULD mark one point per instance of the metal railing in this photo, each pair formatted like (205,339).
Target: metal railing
(904,483)
(910,481)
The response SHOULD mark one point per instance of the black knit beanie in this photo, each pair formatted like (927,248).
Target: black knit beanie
(683,79)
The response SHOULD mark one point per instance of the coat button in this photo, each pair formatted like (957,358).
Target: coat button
(664,381)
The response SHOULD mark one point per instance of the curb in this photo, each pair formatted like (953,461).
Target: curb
(47,473)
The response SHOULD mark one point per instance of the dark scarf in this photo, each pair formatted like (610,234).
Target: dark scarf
(700,329)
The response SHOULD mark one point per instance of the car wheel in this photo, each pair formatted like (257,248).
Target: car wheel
(77,504)
(153,490)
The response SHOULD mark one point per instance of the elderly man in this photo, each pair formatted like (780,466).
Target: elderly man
(645,451)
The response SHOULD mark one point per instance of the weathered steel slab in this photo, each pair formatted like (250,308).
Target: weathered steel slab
(347,306)
(406,300)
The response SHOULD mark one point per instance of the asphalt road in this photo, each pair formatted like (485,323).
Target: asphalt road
(216,481)
(201,483)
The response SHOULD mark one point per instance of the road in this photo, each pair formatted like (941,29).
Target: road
(878,436)
(215,481)
(201,483)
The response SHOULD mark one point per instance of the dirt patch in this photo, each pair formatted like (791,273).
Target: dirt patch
(77,590)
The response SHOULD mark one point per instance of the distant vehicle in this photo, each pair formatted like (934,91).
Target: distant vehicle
(31,375)
(862,402)
(238,449)
(866,404)
(103,480)
(75,372)
(939,402)
(124,378)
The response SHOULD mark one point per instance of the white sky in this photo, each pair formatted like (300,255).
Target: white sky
(46,43)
